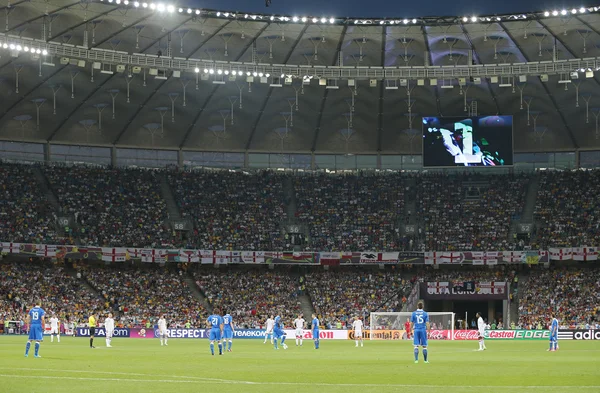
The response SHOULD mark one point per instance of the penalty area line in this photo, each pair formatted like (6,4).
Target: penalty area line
(234,382)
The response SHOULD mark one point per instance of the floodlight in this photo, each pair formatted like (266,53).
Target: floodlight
(248,73)
(44,52)
(12,46)
(19,48)
(304,19)
(582,10)
(189,10)
(260,74)
(219,71)
(465,19)
(563,12)
(234,72)
(226,72)
(414,21)
(554,13)
(574,11)
(5,45)
(197,12)
(405,21)
(331,20)
(255,73)
(136,4)
(170,8)
(314,20)
(295,19)
(152,6)
(211,71)
(268,75)
(206,70)
(196,70)
(546,13)
(323,20)
(473,19)
(126,2)
(26,49)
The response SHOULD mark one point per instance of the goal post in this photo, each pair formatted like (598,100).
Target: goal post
(390,325)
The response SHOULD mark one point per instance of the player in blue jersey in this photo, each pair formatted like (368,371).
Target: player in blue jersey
(553,335)
(36,322)
(420,326)
(278,333)
(215,324)
(315,330)
(228,330)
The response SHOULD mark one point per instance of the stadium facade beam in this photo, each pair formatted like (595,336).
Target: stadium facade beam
(381,92)
(266,100)
(44,15)
(13,5)
(100,85)
(60,34)
(476,57)
(552,100)
(536,68)
(143,105)
(188,132)
(108,38)
(326,92)
(430,61)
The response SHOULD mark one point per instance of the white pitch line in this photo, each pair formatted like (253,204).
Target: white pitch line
(323,384)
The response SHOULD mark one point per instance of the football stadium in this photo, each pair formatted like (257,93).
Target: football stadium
(204,199)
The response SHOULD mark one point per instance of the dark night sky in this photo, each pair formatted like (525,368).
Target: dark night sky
(386,8)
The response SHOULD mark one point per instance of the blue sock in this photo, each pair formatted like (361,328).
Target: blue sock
(425,354)
(27,346)
(551,345)
(212,348)
(282,340)
(220,348)
(230,345)
(275,343)
(416,353)
(318,343)
(37,348)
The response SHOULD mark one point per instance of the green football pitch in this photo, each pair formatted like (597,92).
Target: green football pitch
(138,365)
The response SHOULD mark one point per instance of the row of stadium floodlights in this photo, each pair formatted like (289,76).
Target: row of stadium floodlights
(169,8)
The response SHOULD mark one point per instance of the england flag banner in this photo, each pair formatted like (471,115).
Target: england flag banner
(491,287)
(114,254)
(585,254)
(45,250)
(154,255)
(431,257)
(379,257)
(11,248)
(485,258)
(513,256)
(437,287)
(188,256)
(253,256)
(561,254)
(452,257)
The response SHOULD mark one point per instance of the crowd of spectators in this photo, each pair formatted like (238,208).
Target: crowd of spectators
(252,296)
(138,296)
(339,296)
(568,293)
(504,273)
(470,212)
(25,215)
(354,212)
(22,284)
(113,207)
(568,209)
(232,210)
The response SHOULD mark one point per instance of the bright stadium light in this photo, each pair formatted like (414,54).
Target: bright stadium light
(211,71)
(152,6)
(304,19)
(268,75)
(180,10)
(206,70)
(465,19)
(160,7)
(234,72)
(189,10)
(218,14)
(332,20)
(26,49)
(248,73)
(414,21)
(18,47)
(171,9)
(473,19)
(323,20)
(405,21)
(582,10)
(5,45)
(12,46)
(197,12)
(126,2)
(118,1)
(226,72)
(255,74)
(136,4)
(314,20)
(574,11)
(563,12)
(546,14)
(295,19)
(554,13)
(196,70)
(44,52)
(219,71)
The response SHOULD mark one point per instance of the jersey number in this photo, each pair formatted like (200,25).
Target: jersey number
(214,321)
(226,321)
(35,315)
(419,319)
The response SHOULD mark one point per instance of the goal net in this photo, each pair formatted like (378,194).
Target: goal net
(390,325)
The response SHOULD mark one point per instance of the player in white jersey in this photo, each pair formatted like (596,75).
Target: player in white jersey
(269,324)
(299,325)
(481,329)
(357,326)
(109,326)
(54,328)
(162,330)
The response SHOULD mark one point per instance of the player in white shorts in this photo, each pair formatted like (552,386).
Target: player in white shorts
(54,328)
(357,326)
(162,330)
(269,325)
(481,328)
(299,325)
(109,326)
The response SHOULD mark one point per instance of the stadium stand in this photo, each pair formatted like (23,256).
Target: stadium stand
(231,210)
(469,212)
(341,295)
(570,292)
(567,209)
(112,207)
(252,296)
(139,295)
(351,212)
(24,216)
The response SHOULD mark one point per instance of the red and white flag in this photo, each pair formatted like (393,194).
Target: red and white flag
(452,257)
(154,255)
(431,257)
(485,258)
(585,254)
(114,254)
(379,257)
(437,287)
(253,256)
(43,250)
(188,256)
(12,248)
(492,287)
(513,256)
(561,254)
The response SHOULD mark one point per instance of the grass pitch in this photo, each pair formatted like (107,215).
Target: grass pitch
(138,365)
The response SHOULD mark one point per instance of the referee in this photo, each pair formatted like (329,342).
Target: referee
(92,326)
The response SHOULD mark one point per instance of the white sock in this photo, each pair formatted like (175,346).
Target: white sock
(356,342)
(107,342)
(58,337)
(161,341)
(52,338)
(300,341)
(165,340)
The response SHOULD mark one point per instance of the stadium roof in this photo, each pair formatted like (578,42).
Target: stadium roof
(90,89)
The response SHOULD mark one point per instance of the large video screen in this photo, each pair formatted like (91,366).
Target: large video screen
(467,141)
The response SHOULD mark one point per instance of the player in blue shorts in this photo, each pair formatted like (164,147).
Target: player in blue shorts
(36,322)
(215,324)
(228,330)
(315,330)
(278,333)
(420,326)
(553,335)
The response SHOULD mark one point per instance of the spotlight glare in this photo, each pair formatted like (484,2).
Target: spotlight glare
(405,21)
(414,21)
(38,51)
(246,16)
(554,13)
(170,9)
(160,7)
(282,76)
(304,19)
(136,4)
(219,71)
(314,20)
(268,75)
(260,74)
(272,18)
(473,19)
(189,10)
(465,19)
(574,11)
(323,20)
(563,12)
(234,72)
(582,10)
(44,52)
(226,72)
(206,70)
(19,48)
(5,45)
(332,20)
(126,2)
(255,73)
(180,10)
(381,22)
(118,1)
(196,70)
(546,13)
(12,46)
(211,71)
(26,49)
(218,14)
(295,19)
(248,73)
(197,12)
(152,6)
